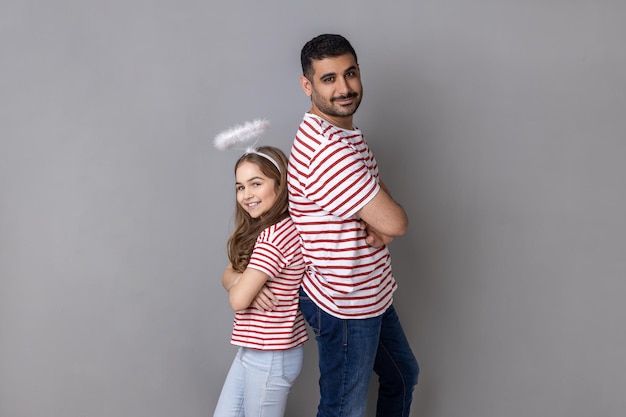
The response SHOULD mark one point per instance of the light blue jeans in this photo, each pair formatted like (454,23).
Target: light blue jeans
(258,383)
(349,350)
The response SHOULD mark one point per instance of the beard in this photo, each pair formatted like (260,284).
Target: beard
(331,108)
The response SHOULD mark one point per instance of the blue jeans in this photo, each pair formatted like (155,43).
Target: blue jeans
(348,352)
(258,382)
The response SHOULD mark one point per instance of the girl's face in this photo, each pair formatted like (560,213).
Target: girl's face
(256,193)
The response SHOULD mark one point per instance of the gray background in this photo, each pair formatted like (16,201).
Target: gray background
(498,124)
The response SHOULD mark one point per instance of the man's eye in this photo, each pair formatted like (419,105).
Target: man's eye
(329,79)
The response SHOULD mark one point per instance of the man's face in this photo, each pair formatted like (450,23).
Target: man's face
(335,89)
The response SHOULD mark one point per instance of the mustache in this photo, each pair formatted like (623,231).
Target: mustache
(343,97)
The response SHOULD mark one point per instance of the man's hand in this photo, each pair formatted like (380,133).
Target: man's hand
(374,238)
(265,300)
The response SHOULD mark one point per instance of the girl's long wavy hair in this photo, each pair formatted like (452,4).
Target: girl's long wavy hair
(241,242)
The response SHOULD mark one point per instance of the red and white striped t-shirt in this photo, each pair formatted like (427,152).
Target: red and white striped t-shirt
(332,175)
(277,253)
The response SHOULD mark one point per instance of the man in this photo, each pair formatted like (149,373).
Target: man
(345,217)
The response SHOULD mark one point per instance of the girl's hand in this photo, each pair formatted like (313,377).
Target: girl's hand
(265,300)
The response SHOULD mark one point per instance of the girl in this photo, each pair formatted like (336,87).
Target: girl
(262,280)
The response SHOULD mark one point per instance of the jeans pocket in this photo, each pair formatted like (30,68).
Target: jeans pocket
(292,364)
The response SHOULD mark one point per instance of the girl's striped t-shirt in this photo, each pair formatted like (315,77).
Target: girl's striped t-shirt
(277,253)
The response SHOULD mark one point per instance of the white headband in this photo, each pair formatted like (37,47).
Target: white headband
(264,155)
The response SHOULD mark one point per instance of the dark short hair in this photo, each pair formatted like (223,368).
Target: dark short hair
(323,46)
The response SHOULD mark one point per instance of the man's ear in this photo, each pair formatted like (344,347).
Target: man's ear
(306,85)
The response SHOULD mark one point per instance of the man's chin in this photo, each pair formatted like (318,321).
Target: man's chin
(346,112)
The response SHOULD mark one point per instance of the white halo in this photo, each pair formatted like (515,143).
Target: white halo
(241,134)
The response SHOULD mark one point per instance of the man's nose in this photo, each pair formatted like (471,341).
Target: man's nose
(342,86)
